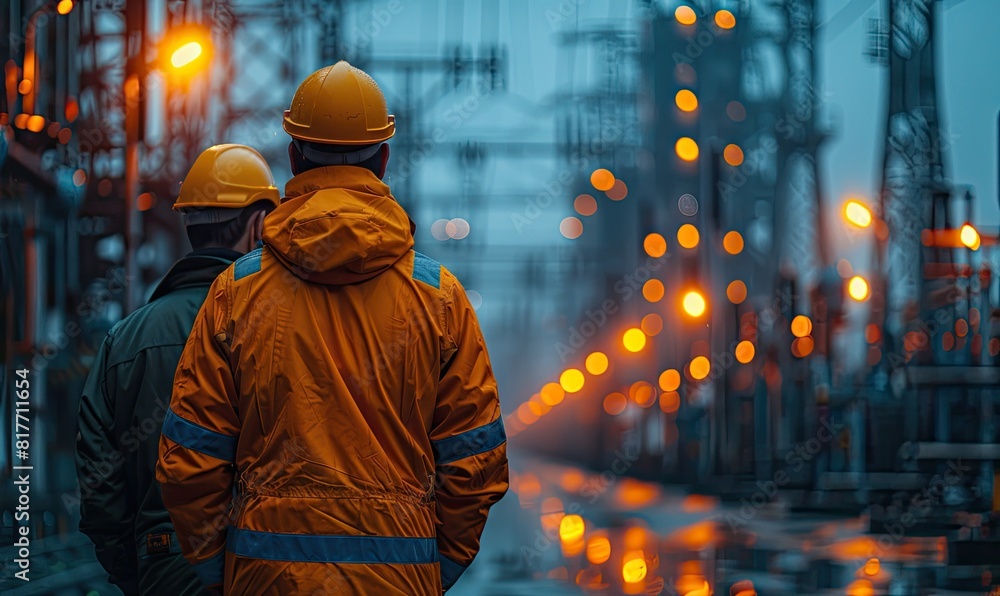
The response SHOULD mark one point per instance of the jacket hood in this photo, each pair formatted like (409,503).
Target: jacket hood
(339,225)
(198,268)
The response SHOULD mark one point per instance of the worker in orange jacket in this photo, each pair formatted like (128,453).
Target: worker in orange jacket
(335,425)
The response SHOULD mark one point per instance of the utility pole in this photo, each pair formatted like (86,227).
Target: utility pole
(135,28)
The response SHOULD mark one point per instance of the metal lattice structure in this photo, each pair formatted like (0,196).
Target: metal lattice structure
(914,163)
(269,48)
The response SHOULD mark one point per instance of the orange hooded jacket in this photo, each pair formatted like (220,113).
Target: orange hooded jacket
(334,425)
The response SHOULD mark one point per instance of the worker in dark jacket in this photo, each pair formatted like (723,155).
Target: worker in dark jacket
(224,199)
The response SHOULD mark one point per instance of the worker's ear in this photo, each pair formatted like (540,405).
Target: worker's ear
(294,160)
(256,229)
(385,160)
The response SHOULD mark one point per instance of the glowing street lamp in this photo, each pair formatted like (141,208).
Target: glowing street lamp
(693,303)
(686,149)
(801,326)
(725,19)
(185,51)
(970,237)
(686,100)
(685,15)
(857,214)
(699,367)
(857,288)
(186,54)
(634,340)
(634,568)
(571,380)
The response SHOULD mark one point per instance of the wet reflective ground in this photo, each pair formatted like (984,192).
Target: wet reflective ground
(565,530)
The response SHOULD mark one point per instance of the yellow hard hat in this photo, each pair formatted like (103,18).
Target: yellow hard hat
(224,179)
(339,105)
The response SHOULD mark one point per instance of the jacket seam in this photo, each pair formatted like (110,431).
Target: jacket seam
(140,352)
(447,300)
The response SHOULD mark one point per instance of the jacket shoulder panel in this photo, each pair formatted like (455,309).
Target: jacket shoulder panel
(426,270)
(165,322)
(247,265)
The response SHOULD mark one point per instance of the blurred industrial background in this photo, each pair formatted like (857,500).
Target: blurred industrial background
(734,259)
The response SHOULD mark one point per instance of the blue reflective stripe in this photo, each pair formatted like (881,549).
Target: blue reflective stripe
(248,264)
(211,571)
(331,548)
(473,442)
(190,435)
(427,270)
(450,572)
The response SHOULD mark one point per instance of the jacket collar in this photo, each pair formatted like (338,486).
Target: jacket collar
(344,177)
(339,225)
(351,178)
(197,268)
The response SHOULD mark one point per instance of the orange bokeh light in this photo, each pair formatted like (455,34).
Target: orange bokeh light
(653,290)
(602,179)
(597,363)
(642,393)
(688,236)
(858,289)
(552,394)
(801,326)
(670,402)
(686,148)
(802,347)
(686,100)
(694,303)
(736,292)
(700,367)
(652,324)
(598,550)
(614,403)
(733,155)
(670,380)
(618,191)
(733,242)
(585,205)
(725,19)
(634,340)
(655,245)
(685,15)
(745,351)
(571,228)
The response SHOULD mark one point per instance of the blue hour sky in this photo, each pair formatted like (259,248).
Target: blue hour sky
(968,95)
(969,89)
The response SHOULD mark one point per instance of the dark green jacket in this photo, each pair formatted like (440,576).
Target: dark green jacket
(122,409)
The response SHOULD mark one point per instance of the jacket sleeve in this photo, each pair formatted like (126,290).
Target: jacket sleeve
(467,436)
(107,510)
(198,441)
